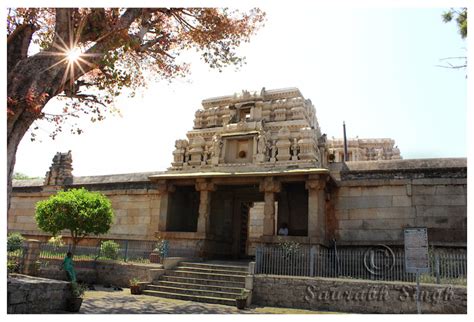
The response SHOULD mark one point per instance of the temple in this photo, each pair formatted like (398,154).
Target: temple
(258,161)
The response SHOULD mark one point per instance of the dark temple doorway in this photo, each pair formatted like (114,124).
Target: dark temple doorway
(230,207)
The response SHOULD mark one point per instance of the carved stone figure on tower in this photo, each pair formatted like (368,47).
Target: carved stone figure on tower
(262,144)
(216,146)
(294,150)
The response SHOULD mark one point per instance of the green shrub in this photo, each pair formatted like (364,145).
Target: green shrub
(13,266)
(14,241)
(80,211)
(56,241)
(109,249)
(78,290)
(134,281)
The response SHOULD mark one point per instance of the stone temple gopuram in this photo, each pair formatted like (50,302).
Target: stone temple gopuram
(257,161)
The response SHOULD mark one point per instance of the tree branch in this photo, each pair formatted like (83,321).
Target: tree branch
(63,28)
(18,43)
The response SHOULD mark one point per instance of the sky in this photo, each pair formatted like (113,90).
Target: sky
(374,68)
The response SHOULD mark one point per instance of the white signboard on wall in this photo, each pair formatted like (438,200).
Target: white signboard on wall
(416,250)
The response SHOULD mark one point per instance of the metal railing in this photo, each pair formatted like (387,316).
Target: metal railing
(48,251)
(128,250)
(359,263)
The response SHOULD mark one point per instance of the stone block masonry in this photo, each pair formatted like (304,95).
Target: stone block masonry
(27,294)
(104,272)
(375,201)
(357,296)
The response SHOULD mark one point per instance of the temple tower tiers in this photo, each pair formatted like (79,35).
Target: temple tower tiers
(60,172)
(252,130)
(267,129)
(364,149)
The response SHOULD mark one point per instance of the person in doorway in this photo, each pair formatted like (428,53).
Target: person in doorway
(283,231)
(68,266)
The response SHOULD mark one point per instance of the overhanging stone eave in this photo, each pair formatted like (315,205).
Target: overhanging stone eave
(224,174)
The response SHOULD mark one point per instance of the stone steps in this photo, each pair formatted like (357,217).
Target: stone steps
(209,275)
(192,291)
(195,298)
(202,286)
(210,270)
(201,282)
(235,268)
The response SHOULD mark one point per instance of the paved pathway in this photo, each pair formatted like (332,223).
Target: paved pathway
(108,301)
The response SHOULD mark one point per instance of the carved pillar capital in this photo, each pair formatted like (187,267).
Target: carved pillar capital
(316,182)
(204,185)
(269,184)
(163,187)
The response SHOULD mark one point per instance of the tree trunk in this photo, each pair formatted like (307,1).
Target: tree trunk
(30,86)
(75,241)
(18,131)
(33,81)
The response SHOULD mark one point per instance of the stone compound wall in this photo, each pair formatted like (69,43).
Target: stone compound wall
(104,272)
(355,296)
(27,294)
(52,269)
(119,274)
(135,202)
(21,216)
(370,202)
(373,205)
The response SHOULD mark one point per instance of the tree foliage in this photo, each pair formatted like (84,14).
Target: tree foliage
(22,176)
(120,48)
(460,16)
(14,242)
(85,57)
(80,211)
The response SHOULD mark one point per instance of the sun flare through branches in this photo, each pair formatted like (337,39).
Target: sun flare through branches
(74,57)
(73,54)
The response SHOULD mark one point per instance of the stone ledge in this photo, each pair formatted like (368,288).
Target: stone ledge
(28,294)
(434,163)
(356,296)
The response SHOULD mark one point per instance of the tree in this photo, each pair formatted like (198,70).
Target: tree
(22,176)
(87,56)
(80,211)
(460,16)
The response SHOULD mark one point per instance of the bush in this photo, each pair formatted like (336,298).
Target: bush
(80,211)
(56,241)
(14,241)
(78,290)
(13,266)
(134,281)
(109,249)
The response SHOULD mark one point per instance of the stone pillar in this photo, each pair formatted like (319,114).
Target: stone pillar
(164,189)
(316,208)
(32,255)
(205,188)
(269,186)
